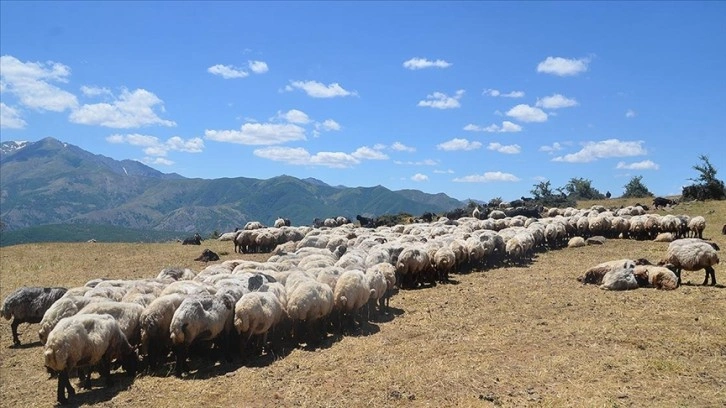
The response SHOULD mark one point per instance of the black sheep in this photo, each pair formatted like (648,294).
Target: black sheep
(207,256)
(195,240)
(28,305)
(662,202)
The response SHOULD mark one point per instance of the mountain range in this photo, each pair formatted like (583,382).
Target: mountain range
(52,182)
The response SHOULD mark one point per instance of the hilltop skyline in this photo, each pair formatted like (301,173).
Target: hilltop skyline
(474,100)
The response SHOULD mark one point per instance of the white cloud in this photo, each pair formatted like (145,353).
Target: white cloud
(421,63)
(604,149)
(506,127)
(258,67)
(418,177)
(227,71)
(289,155)
(154,147)
(10,118)
(526,113)
(319,90)
(496,93)
(641,165)
(330,124)
(295,116)
(194,145)
(30,82)
(490,176)
(398,146)
(157,161)
(630,113)
(449,171)
(258,134)
(130,110)
(367,153)
(301,157)
(458,144)
(440,100)
(337,160)
(556,101)
(563,66)
(92,91)
(508,149)
(426,162)
(551,149)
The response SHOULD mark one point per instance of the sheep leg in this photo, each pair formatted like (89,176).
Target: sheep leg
(84,378)
(64,384)
(105,371)
(181,359)
(710,271)
(14,327)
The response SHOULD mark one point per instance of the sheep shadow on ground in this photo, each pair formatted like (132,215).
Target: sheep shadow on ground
(387,316)
(209,366)
(696,285)
(266,359)
(99,392)
(23,346)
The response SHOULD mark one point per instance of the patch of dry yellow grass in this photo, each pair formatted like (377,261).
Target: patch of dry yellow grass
(523,336)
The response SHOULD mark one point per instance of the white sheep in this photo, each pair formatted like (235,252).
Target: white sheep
(658,277)
(328,275)
(198,318)
(188,287)
(412,265)
(376,281)
(692,254)
(595,274)
(109,292)
(351,293)
(128,316)
(308,305)
(253,225)
(444,262)
(176,274)
(620,278)
(520,247)
(154,326)
(86,340)
(255,314)
(389,273)
(696,226)
(28,305)
(63,307)
(576,242)
(227,236)
(664,237)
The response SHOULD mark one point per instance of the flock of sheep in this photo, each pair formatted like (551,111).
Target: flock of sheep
(316,280)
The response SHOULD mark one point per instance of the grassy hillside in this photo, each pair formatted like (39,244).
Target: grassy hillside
(83,233)
(515,337)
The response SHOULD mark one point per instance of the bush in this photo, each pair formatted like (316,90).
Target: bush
(636,189)
(708,187)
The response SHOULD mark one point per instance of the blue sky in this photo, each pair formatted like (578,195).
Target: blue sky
(472,99)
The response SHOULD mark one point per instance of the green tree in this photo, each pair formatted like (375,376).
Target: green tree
(636,188)
(542,190)
(707,186)
(581,189)
(471,205)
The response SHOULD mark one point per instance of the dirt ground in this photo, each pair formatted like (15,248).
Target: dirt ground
(514,337)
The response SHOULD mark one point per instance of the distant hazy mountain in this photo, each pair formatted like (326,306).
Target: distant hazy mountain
(51,182)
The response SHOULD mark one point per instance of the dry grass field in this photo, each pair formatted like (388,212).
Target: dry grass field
(512,337)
